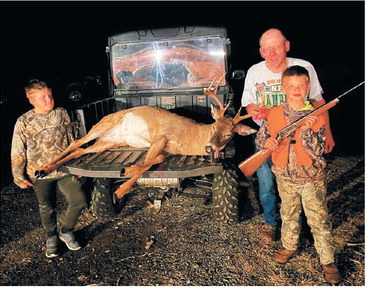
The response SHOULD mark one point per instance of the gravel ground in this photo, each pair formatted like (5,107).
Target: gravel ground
(181,245)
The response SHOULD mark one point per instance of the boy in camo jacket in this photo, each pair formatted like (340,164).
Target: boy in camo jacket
(40,135)
(299,170)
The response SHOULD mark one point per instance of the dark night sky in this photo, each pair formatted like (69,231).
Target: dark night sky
(67,39)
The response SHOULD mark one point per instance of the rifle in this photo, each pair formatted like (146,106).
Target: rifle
(251,164)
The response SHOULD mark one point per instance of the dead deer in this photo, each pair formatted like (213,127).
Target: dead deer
(165,133)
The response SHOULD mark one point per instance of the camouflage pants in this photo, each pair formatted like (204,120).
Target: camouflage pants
(310,196)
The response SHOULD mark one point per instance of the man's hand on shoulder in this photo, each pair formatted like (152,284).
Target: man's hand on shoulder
(258,112)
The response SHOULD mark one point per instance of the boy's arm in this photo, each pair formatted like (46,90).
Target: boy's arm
(18,157)
(263,138)
(329,142)
(313,138)
(314,141)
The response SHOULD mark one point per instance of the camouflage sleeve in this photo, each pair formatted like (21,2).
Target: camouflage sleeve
(18,153)
(262,135)
(69,126)
(314,142)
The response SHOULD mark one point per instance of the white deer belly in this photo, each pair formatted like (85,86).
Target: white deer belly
(133,131)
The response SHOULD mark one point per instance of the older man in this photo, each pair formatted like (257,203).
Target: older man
(262,90)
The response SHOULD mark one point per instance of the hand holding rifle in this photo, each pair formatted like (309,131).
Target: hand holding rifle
(273,144)
(309,121)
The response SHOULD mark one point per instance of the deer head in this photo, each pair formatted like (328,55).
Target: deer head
(225,126)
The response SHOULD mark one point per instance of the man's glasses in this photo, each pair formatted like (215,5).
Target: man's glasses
(278,48)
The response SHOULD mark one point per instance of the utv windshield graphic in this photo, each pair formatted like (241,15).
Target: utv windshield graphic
(168,64)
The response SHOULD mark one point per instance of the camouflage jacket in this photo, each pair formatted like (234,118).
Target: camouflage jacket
(314,143)
(37,139)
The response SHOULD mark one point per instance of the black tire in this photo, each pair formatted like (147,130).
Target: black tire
(104,202)
(225,195)
(75,92)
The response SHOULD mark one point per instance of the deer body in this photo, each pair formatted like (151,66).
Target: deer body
(138,127)
(160,131)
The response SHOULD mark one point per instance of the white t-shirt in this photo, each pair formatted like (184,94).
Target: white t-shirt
(264,86)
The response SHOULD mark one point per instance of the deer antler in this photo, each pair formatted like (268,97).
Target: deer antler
(239,118)
(212,92)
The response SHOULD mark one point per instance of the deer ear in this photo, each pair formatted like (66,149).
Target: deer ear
(244,130)
(215,112)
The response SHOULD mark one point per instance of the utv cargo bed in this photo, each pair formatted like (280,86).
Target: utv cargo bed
(111,164)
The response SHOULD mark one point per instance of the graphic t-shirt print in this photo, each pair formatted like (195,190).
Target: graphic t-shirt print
(270,93)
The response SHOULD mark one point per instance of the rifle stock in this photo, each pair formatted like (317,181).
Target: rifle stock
(251,164)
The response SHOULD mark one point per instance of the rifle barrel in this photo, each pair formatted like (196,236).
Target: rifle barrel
(351,89)
(330,103)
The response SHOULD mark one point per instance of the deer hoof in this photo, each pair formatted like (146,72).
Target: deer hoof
(121,193)
(40,174)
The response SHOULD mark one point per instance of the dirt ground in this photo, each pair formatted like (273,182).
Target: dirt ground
(181,245)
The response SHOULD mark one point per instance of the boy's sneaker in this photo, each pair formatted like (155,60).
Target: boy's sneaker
(51,246)
(69,239)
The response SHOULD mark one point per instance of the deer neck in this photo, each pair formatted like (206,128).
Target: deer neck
(195,140)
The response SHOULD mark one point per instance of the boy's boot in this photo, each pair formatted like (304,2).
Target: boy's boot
(283,255)
(332,274)
(268,234)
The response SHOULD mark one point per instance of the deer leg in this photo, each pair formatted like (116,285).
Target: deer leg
(125,187)
(72,147)
(96,131)
(145,166)
(153,157)
(97,147)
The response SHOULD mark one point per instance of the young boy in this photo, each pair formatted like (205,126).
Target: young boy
(299,170)
(39,135)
